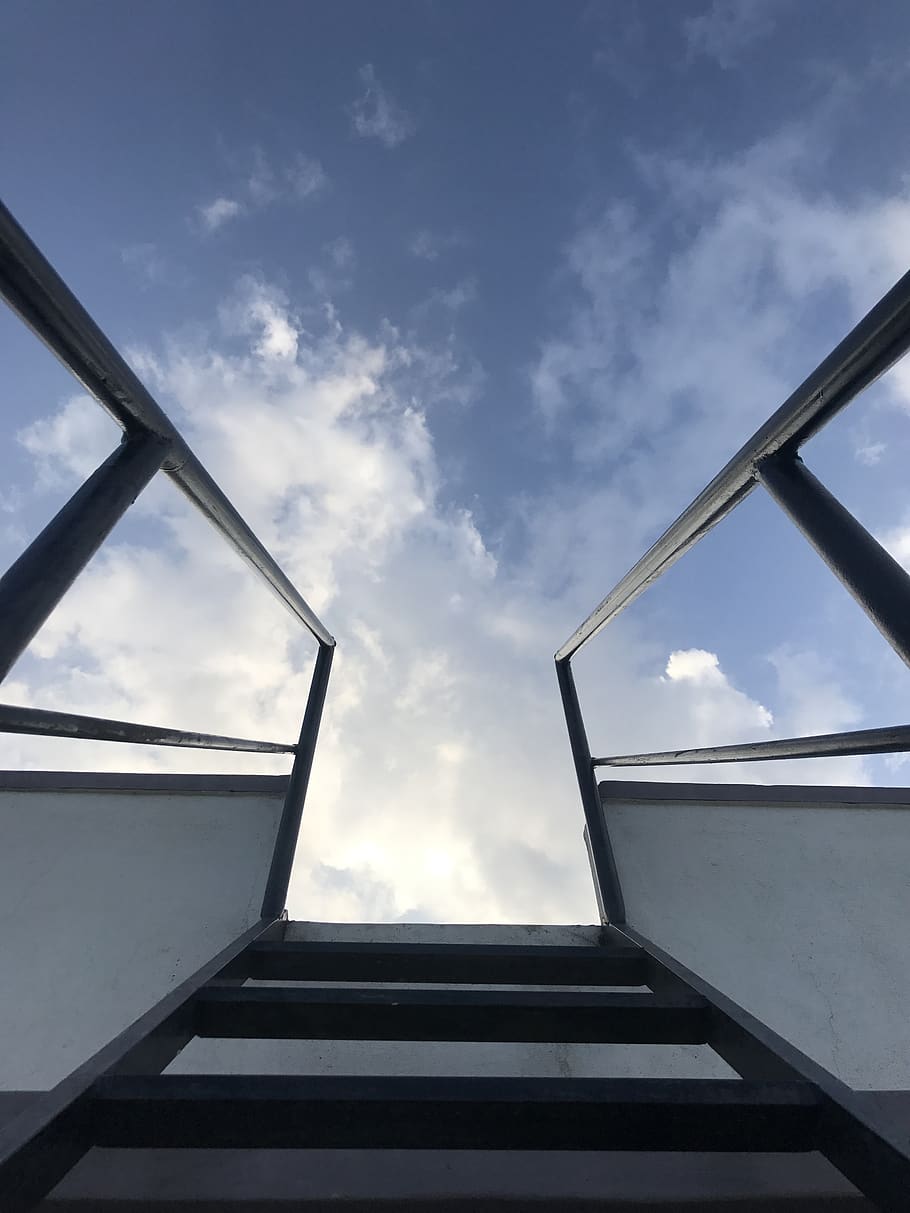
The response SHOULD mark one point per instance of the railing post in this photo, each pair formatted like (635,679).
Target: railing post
(36,582)
(600,852)
(873,577)
(276,888)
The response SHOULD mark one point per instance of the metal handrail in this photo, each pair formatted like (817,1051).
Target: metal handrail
(872,576)
(875,344)
(43,301)
(37,581)
(37,722)
(893,740)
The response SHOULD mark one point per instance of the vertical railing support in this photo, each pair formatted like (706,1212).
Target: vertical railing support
(276,888)
(603,867)
(32,587)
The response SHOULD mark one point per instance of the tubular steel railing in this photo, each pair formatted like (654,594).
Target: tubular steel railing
(37,581)
(770,458)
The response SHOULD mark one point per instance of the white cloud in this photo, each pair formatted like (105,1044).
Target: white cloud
(622,43)
(261,312)
(10,500)
(442,784)
(458,296)
(376,115)
(429,245)
(71,443)
(442,751)
(263,185)
(728,27)
(871,453)
(342,253)
(424,245)
(720,713)
(449,301)
(656,336)
(897,542)
(219,212)
(148,262)
(306,176)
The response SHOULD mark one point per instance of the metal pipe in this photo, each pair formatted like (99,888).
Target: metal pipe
(875,344)
(893,740)
(40,297)
(40,723)
(276,889)
(873,577)
(35,583)
(600,852)
(194,481)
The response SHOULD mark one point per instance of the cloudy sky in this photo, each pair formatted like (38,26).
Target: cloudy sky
(461,304)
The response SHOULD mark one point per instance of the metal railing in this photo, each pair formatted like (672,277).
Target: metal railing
(37,581)
(770,458)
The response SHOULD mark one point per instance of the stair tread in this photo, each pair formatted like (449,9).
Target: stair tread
(535,964)
(458,1113)
(294,1012)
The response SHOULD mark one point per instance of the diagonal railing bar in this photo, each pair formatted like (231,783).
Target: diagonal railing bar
(34,584)
(880,339)
(40,297)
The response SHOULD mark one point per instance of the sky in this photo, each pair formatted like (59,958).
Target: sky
(461,305)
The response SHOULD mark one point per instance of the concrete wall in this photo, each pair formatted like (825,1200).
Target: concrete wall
(254,1181)
(792,901)
(113,889)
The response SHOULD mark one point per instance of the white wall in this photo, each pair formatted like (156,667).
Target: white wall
(112,894)
(794,902)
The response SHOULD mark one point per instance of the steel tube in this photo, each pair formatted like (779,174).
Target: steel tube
(39,296)
(194,481)
(603,867)
(894,740)
(276,889)
(39,723)
(875,344)
(35,583)
(873,577)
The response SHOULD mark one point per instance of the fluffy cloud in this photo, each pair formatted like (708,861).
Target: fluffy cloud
(428,245)
(71,442)
(443,786)
(897,541)
(217,213)
(721,708)
(702,329)
(261,185)
(376,115)
(728,27)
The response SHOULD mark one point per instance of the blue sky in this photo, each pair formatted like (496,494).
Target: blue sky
(461,304)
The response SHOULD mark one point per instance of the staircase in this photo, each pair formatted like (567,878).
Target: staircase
(619,990)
